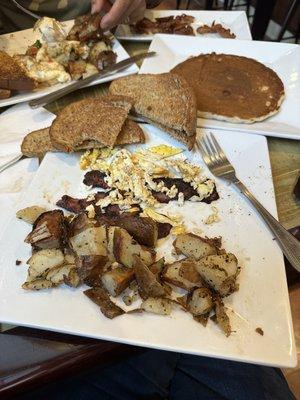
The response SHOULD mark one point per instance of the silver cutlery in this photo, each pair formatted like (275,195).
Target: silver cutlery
(119,66)
(33,15)
(217,162)
(11,162)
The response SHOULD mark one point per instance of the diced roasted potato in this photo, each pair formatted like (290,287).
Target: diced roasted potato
(78,224)
(202,319)
(48,231)
(125,247)
(195,246)
(56,275)
(182,274)
(90,242)
(91,268)
(147,282)
(221,318)
(42,261)
(69,258)
(157,306)
(72,279)
(117,280)
(219,272)
(101,298)
(110,230)
(38,284)
(143,229)
(200,301)
(157,267)
(30,214)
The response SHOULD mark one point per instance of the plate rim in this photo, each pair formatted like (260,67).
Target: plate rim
(149,38)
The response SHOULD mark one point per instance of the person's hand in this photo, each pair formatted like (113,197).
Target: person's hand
(128,11)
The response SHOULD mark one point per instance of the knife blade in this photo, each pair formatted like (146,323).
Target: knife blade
(119,66)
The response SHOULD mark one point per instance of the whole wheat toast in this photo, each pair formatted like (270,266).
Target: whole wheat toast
(130,133)
(166,99)
(12,75)
(38,143)
(93,119)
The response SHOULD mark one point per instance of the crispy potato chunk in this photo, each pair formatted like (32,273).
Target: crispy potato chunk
(42,261)
(195,246)
(30,214)
(200,301)
(147,282)
(125,247)
(48,231)
(117,280)
(38,284)
(221,317)
(219,272)
(91,241)
(56,275)
(143,229)
(101,298)
(182,274)
(157,267)
(72,279)
(157,306)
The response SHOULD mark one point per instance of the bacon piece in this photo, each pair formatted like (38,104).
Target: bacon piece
(95,179)
(78,206)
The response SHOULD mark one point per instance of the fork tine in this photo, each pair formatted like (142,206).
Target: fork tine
(205,155)
(218,148)
(214,149)
(208,143)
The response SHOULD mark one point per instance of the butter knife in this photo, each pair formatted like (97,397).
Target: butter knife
(119,66)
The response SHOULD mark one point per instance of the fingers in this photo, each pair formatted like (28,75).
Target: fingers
(100,5)
(121,10)
(139,12)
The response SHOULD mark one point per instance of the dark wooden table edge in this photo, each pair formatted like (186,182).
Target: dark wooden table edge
(84,354)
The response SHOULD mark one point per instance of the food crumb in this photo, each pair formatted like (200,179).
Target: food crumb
(18,262)
(259,331)
(214,217)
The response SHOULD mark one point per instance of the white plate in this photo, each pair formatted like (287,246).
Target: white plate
(17,43)
(283,58)
(236,21)
(262,300)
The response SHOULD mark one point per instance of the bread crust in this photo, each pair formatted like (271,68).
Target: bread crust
(12,75)
(165,98)
(93,119)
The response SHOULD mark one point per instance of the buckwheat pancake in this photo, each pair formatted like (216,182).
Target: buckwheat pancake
(232,88)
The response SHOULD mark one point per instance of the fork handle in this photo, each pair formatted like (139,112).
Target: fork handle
(289,244)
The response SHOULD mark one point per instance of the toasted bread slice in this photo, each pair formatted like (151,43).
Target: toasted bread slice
(12,75)
(166,99)
(37,143)
(93,119)
(130,133)
(188,141)
(5,94)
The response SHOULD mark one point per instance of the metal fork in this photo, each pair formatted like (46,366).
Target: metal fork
(217,162)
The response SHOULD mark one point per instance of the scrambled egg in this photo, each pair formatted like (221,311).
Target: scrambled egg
(131,175)
(62,51)
(50,72)
(174,220)
(50,30)
(214,217)
(165,151)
